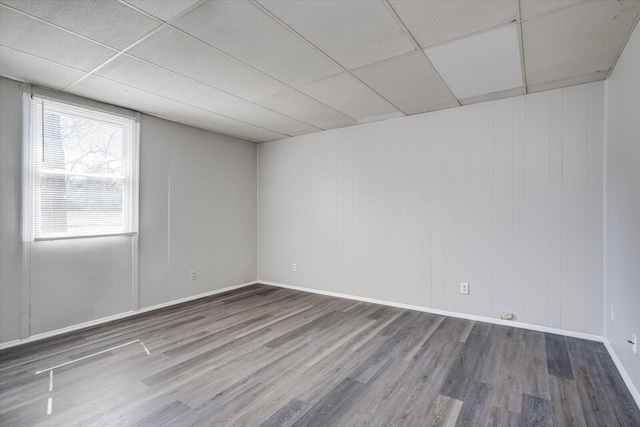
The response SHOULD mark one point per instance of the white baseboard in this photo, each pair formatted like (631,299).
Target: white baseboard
(126,314)
(623,372)
(515,324)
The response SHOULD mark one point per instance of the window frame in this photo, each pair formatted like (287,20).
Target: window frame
(130,161)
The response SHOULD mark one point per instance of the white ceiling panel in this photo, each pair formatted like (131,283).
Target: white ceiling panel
(245,32)
(354,33)
(125,96)
(529,8)
(579,40)
(267,119)
(305,132)
(37,38)
(25,67)
(108,21)
(516,91)
(340,125)
(180,53)
(226,125)
(409,83)
(485,63)
(571,81)
(111,92)
(151,78)
(162,9)
(299,106)
(434,22)
(349,96)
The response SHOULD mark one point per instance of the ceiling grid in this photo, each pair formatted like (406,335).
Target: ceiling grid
(270,69)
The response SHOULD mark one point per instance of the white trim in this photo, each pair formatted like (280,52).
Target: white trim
(193,297)
(444,312)
(126,314)
(623,372)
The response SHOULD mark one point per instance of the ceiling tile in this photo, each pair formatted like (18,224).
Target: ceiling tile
(409,83)
(315,130)
(434,22)
(354,33)
(301,107)
(516,91)
(109,22)
(37,38)
(531,8)
(180,53)
(104,90)
(340,125)
(571,81)
(151,78)
(115,93)
(267,119)
(579,40)
(164,9)
(484,63)
(244,32)
(349,96)
(25,67)
(226,125)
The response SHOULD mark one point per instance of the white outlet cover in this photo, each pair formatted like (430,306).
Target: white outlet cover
(464,288)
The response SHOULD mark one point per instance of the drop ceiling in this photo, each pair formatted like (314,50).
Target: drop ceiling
(264,70)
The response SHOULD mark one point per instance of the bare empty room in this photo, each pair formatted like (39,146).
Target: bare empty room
(319,212)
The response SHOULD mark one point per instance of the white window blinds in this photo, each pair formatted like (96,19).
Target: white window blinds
(83,172)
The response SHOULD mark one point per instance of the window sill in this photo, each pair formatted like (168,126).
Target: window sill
(44,239)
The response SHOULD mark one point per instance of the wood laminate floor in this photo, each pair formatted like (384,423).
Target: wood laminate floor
(276,357)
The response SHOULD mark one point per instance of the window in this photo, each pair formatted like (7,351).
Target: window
(82,172)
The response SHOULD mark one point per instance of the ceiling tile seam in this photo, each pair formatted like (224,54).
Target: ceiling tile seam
(476,33)
(404,28)
(254,69)
(559,9)
(35,18)
(577,76)
(114,57)
(43,59)
(521,45)
(317,49)
(209,86)
(244,138)
(631,30)
(155,18)
(135,43)
(183,103)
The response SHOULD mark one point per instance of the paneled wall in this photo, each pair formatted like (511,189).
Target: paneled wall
(505,195)
(622,246)
(198,211)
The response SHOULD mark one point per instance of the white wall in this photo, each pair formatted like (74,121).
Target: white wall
(198,211)
(505,195)
(198,197)
(622,245)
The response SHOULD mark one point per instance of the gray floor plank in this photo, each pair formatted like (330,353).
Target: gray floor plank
(536,412)
(558,362)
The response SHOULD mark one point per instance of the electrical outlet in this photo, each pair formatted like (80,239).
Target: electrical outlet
(194,274)
(613,312)
(634,344)
(464,288)
(294,267)
(506,316)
